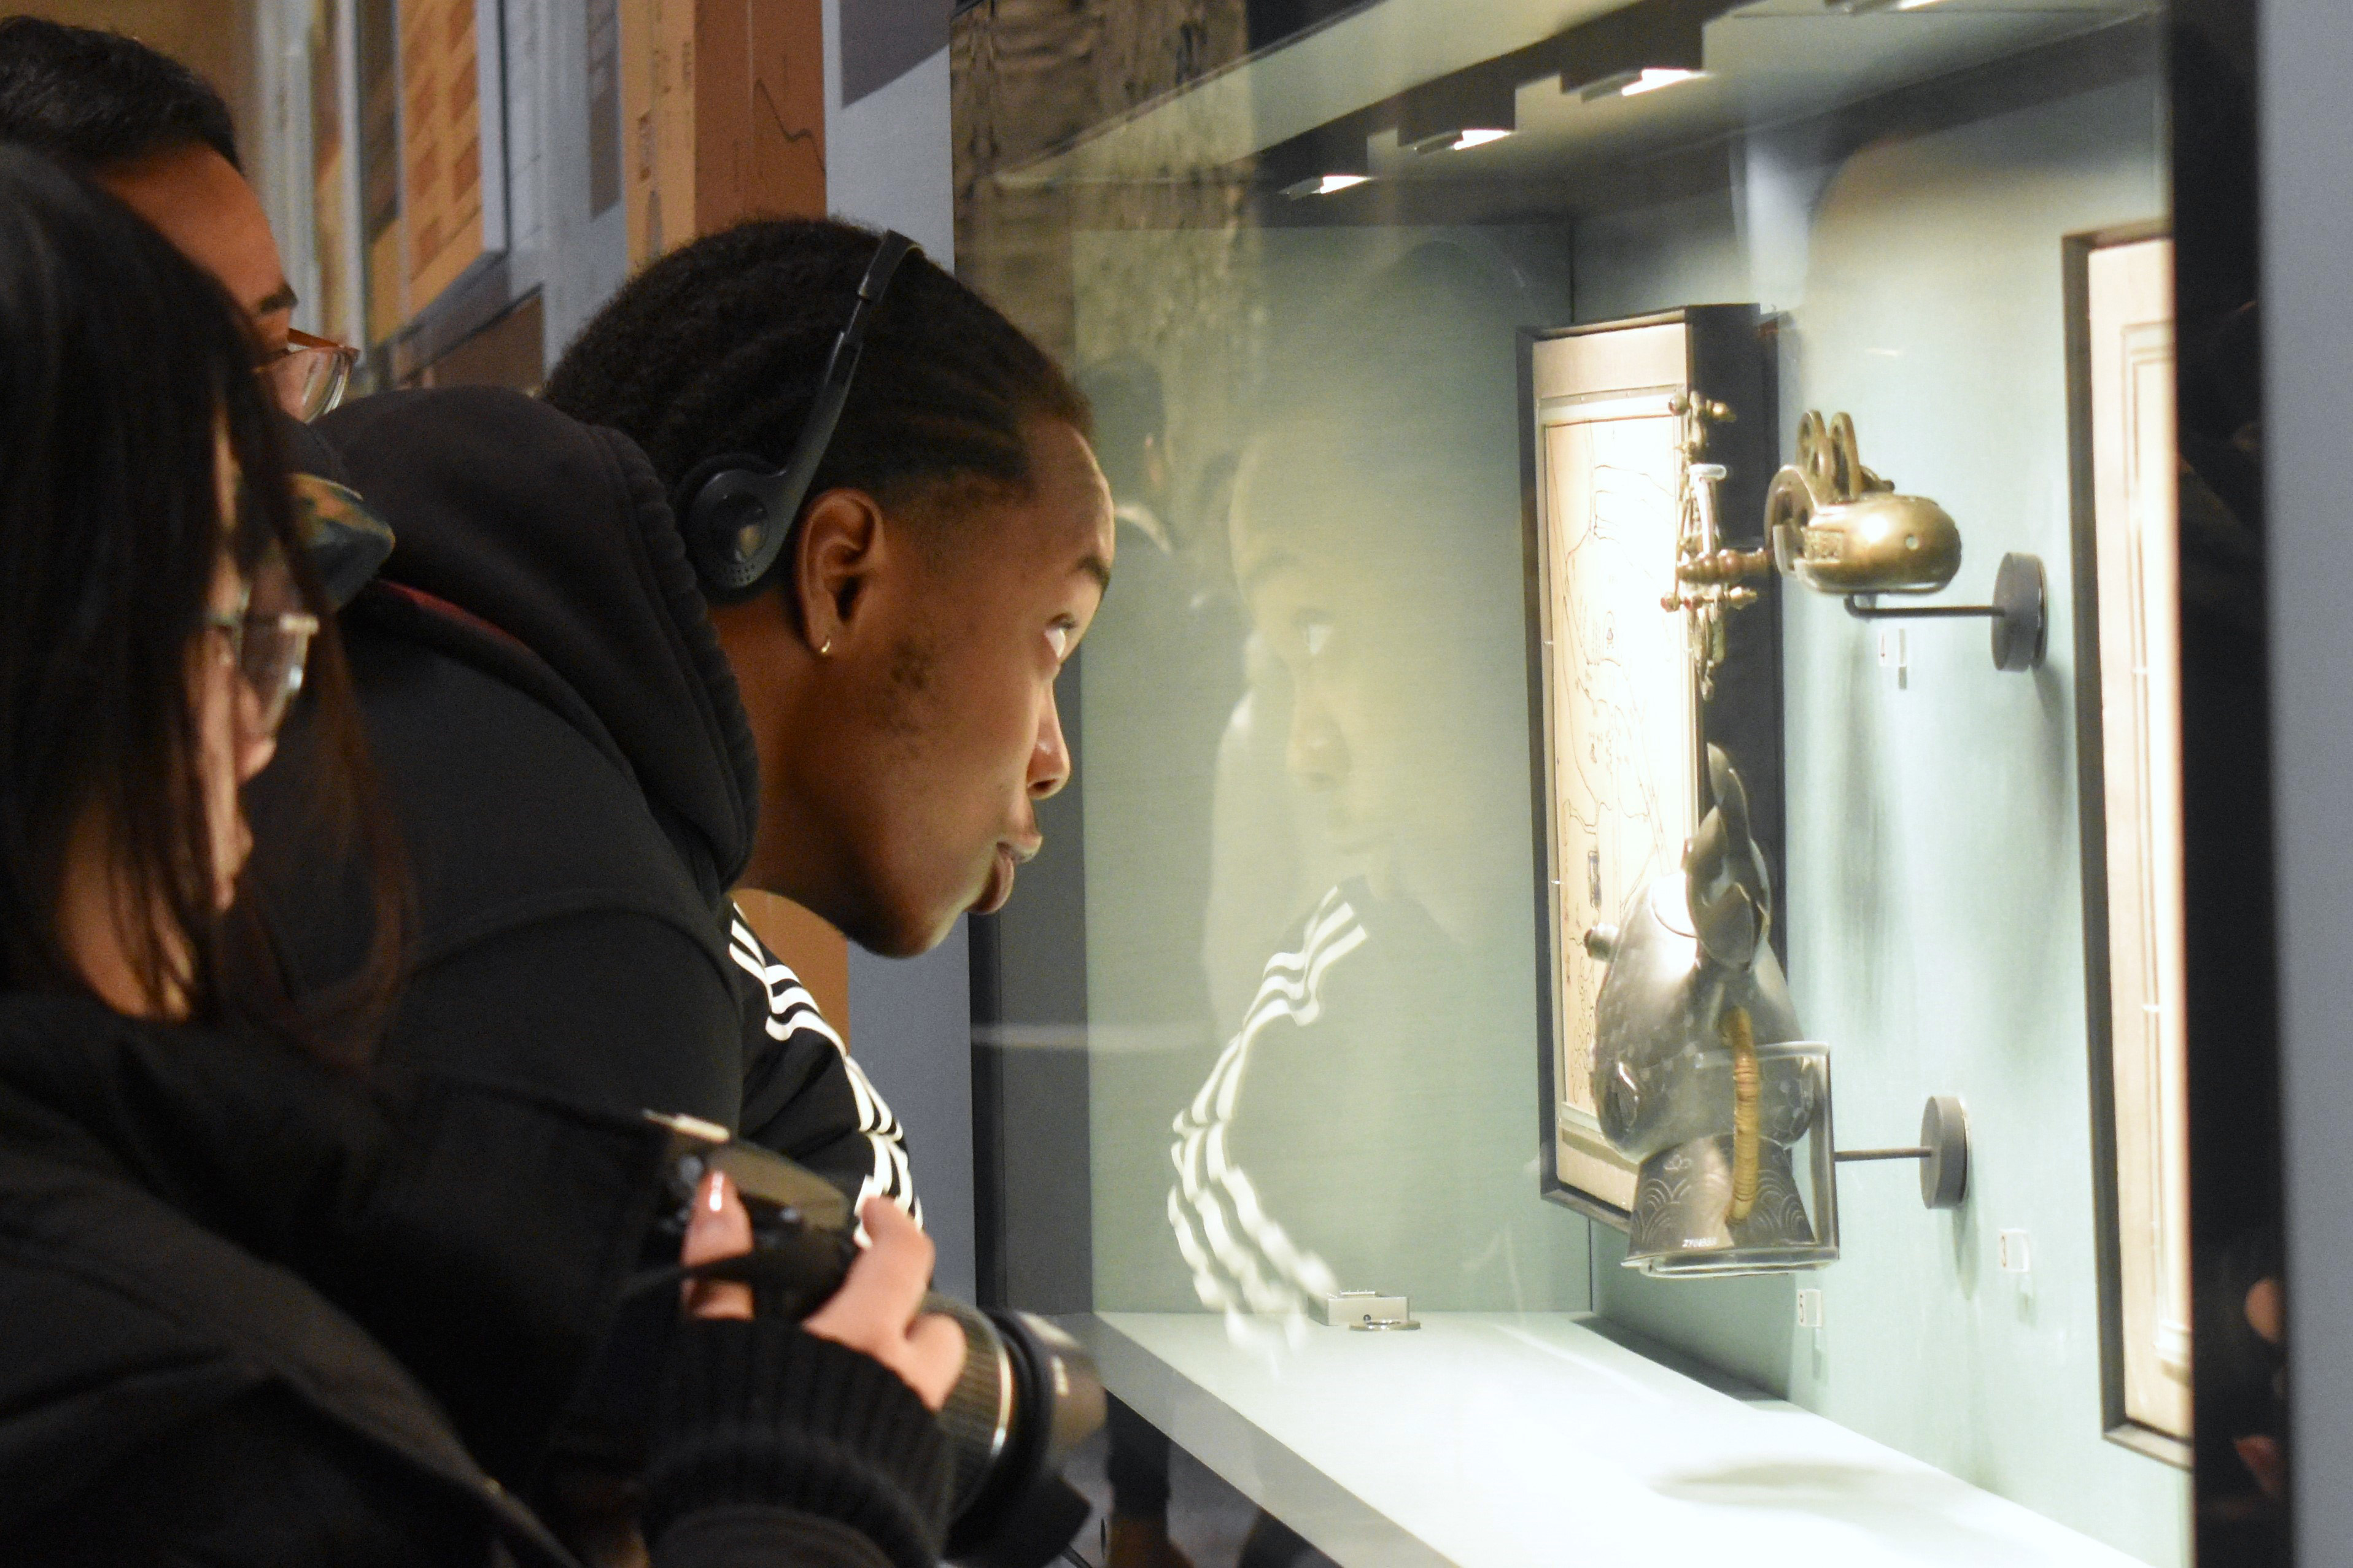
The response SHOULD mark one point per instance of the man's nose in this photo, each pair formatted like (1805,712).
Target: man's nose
(1049,759)
(1318,754)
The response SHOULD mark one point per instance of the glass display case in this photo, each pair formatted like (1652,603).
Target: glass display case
(1540,753)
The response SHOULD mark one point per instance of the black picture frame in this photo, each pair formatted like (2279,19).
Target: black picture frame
(1730,350)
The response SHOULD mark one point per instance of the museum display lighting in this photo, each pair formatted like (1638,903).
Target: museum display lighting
(1459,140)
(1454,115)
(1634,83)
(1653,77)
(1324,185)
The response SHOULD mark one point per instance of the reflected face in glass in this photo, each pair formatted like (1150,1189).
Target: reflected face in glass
(1365,592)
(1358,628)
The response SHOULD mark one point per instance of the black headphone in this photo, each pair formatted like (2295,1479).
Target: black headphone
(737,514)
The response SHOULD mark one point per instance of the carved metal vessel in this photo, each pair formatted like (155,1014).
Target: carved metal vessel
(1700,1070)
(1838,528)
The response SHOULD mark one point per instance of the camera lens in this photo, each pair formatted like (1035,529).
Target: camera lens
(1027,1395)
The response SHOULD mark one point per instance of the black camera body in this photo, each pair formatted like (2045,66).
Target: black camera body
(1027,1395)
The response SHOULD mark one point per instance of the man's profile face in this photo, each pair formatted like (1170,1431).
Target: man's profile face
(200,202)
(1357,558)
(932,769)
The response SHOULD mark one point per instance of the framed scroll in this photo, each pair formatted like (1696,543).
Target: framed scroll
(1619,718)
(2128,695)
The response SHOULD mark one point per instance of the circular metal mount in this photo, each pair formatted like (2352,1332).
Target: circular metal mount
(2020,624)
(1945,1142)
(1943,1152)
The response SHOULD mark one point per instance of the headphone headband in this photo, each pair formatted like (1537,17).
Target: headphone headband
(737,516)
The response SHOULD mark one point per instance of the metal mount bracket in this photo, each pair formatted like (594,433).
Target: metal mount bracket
(2022,622)
(1943,1152)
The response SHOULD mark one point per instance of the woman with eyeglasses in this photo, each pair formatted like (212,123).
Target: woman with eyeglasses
(225,1250)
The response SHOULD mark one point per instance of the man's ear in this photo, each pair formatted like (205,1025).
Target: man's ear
(843,543)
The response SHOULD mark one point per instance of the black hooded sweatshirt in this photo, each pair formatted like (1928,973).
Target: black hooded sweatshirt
(225,1268)
(561,741)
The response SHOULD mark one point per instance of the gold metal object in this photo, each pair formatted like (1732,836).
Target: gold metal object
(1838,528)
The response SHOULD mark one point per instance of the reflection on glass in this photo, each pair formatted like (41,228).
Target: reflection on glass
(1311,842)
(1363,1124)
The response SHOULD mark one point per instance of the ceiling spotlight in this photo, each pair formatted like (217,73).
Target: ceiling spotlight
(1324,185)
(1633,83)
(1456,113)
(1653,77)
(1457,140)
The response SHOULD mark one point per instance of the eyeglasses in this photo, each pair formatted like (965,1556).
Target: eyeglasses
(270,651)
(309,374)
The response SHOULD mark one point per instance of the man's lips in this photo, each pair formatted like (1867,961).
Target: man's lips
(1001,870)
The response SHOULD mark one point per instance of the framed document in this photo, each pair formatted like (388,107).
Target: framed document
(2129,696)
(1621,710)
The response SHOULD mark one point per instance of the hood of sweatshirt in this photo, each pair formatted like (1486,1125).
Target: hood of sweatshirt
(558,534)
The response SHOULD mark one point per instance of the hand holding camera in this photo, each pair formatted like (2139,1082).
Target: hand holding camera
(1013,1395)
(878,1309)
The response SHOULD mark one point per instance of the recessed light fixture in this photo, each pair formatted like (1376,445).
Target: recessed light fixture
(1324,185)
(1653,77)
(1455,140)
(1633,83)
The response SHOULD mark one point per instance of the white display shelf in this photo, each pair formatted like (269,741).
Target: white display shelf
(1517,1439)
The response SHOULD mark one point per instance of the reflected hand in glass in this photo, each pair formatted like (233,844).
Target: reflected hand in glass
(309,374)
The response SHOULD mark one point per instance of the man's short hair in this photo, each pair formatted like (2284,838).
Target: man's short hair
(718,348)
(96,99)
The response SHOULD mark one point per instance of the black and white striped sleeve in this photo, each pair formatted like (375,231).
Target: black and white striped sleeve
(804,1096)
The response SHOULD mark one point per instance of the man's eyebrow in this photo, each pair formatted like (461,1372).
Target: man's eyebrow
(282,297)
(1096,567)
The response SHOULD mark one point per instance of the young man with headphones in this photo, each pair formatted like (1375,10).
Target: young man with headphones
(783,606)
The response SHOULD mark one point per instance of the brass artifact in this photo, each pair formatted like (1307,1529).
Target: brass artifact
(1709,579)
(1838,528)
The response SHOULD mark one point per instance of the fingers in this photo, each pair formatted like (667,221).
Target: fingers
(875,1309)
(935,1351)
(720,1227)
(884,1286)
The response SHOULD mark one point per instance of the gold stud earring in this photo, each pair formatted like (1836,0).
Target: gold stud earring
(825,647)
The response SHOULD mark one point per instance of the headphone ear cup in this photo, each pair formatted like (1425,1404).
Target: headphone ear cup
(710,506)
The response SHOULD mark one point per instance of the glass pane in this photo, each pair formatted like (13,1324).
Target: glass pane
(1601,666)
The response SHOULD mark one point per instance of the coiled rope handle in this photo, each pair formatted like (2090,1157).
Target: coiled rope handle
(1747,1084)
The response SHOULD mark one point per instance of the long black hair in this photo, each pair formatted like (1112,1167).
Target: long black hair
(122,368)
